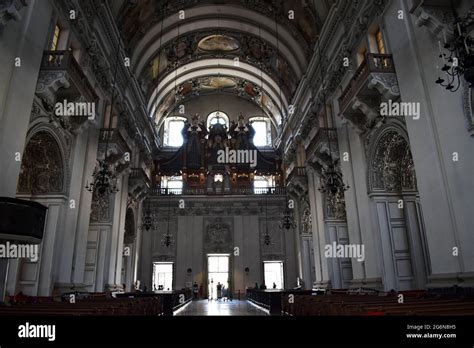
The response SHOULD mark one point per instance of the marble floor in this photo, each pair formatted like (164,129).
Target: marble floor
(215,308)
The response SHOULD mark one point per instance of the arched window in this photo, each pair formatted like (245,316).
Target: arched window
(173,128)
(217,117)
(263,131)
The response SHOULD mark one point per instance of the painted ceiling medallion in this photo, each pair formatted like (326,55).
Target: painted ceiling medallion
(217,82)
(215,43)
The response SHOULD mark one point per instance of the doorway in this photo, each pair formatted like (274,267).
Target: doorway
(273,274)
(162,276)
(217,272)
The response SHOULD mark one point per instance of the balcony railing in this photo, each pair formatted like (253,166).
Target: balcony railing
(373,63)
(276,191)
(108,135)
(65,61)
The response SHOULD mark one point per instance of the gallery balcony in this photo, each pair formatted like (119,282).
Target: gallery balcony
(274,191)
(373,82)
(297,181)
(296,172)
(117,147)
(319,145)
(61,77)
(139,177)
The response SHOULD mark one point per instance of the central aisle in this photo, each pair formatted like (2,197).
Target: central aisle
(205,307)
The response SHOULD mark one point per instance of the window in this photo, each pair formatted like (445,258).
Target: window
(262,127)
(380,43)
(173,128)
(217,117)
(162,276)
(273,274)
(174,184)
(107,121)
(361,55)
(54,43)
(326,119)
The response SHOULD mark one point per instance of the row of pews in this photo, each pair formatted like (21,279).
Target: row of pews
(98,304)
(360,303)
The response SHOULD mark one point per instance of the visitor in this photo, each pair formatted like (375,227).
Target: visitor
(219,291)
(195,290)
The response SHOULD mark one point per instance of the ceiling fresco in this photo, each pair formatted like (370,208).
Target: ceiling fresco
(223,85)
(218,43)
(138,16)
(230,45)
(274,38)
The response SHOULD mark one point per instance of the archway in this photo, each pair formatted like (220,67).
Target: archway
(393,189)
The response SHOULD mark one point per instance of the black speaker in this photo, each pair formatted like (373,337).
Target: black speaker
(21,221)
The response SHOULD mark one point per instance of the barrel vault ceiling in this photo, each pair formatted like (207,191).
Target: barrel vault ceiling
(255,49)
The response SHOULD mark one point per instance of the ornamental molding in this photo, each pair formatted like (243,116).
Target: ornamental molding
(11,10)
(390,164)
(436,19)
(218,236)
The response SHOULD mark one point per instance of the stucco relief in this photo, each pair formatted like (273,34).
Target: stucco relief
(42,169)
(391,167)
(218,236)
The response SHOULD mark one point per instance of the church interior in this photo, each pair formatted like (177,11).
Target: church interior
(236,157)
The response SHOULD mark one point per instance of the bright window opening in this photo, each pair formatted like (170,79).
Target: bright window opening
(55,41)
(217,117)
(380,43)
(263,136)
(162,276)
(173,131)
(273,273)
(174,184)
(261,184)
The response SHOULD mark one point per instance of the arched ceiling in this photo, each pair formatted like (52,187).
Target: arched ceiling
(264,46)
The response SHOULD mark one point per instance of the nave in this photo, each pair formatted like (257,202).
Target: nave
(218,308)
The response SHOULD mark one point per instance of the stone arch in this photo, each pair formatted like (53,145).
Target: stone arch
(42,168)
(391,167)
